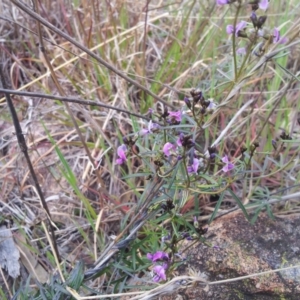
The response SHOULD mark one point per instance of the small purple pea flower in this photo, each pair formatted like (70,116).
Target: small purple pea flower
(151,128)
(263,4)
(277,38)
(241,51)
(167,148)
(158,255)
(180,140)
(222,2)
(194,167)
(175,115)
(160,272)
(239,26)
(121,151)
(211,107)
(228,165)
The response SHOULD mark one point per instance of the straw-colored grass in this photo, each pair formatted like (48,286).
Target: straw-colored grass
(161,50)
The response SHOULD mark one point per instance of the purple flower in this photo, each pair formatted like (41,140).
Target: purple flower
(228,165)
(160,272)
(239,26)
(263,4)
(158,255)
(229,29)
(211,107)
(151,128)
(187,102)
(261,32)
(186,236)
(277,38)
(180,140)
(121,151)
(222,2)
(167,148)
(175,115)
(194,167)
(241,51)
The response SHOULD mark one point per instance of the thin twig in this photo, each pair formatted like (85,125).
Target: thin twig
(62,93)
(229,126)
(86,50)
(24,149)
(73,100)
(237,87)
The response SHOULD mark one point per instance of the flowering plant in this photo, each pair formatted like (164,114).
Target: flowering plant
(179,153)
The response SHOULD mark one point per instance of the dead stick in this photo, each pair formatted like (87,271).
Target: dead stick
(86,50)
(24,149)
(73,100)
(62,93)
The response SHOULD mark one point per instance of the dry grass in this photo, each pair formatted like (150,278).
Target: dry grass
(183,45)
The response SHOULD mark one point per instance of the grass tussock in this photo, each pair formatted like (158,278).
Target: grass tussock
(178,119)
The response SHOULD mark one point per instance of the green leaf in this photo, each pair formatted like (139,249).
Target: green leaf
(240,204)
(69,175)
(256,213)
(76,277)
(216,208)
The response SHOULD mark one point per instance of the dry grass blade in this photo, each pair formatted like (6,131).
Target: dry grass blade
(74,100)
(238,86)
(86,50)
(24,149)
(170,115)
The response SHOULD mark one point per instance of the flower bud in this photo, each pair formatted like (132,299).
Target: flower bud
(253,18)
(261,21)
(187,102)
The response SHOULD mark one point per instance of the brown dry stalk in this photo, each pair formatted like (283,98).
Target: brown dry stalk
(87,51)
(24,149)
(73,100)
(62,93)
